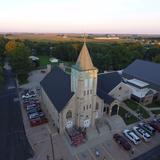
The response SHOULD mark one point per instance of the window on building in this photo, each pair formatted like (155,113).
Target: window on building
(90,106)
(87,107)
(84,108)
(120,88)
(69,114)
(84,93)
(97,106)
(90,91)
(87,92)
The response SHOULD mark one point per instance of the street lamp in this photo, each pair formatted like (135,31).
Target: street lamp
(51,140)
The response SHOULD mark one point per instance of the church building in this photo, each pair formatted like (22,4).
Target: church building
(84,96)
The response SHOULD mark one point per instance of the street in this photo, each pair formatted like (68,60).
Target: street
(14,143)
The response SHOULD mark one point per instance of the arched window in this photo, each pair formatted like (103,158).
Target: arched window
(69,114)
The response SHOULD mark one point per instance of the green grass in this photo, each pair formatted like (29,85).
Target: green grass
(156,112)
(154,104)
(43,60)
(129,120)
(136,107)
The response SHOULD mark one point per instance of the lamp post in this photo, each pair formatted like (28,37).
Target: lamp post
(51,140)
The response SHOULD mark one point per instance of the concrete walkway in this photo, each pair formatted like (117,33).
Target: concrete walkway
(155,108)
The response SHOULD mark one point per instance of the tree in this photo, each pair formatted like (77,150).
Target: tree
(12,45)
(20,62)
(1,76)
(157,58)
(3,42)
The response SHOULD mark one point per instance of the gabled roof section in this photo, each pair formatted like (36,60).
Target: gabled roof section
(144,70)
(57,86)
(106,83)
(107,98)
(84,61)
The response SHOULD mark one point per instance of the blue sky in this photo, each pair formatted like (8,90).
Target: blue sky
(90,16)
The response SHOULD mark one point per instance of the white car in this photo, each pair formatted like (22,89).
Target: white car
(142,133)
(147,128)
(33,115)
(131,136)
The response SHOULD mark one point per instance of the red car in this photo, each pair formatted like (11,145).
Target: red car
(38,121)
(122,141)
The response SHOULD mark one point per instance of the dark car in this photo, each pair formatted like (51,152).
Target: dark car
(155,125)
(122,141)
(34,110)
(35,122)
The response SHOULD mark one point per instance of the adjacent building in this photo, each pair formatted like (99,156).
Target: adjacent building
(143,78)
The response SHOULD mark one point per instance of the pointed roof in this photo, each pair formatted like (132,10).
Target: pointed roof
(84,61)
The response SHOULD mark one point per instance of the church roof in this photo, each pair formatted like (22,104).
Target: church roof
(84,61)
(107,82)
(57,86)
(144,71)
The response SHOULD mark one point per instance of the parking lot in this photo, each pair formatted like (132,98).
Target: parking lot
(108,149)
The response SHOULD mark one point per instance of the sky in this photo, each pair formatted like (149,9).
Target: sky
(80,16)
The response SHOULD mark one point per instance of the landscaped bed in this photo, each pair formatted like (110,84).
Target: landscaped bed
(154,104)
(137,108)
(127,117)
(156,112)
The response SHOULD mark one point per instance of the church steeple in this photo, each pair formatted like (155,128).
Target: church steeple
(84,61)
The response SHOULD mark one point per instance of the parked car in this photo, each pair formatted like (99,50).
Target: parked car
(35,122)
(147,128)
(122,141)
(155,125)
(132,136)
(33,115)
(29,107)
(142,133)
(26,96)
(34,110)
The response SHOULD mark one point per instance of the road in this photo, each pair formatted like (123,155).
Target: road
(153,154)
(13,141)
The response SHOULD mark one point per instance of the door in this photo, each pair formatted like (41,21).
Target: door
(114,110)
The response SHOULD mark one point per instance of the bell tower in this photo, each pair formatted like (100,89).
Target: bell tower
(84,85)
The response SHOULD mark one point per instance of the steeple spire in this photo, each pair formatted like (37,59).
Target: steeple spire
(84,61)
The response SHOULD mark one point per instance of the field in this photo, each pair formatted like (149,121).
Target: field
(61,38)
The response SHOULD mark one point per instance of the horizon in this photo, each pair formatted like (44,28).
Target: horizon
(80,16)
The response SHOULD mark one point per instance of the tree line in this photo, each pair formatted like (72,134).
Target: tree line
(105,56)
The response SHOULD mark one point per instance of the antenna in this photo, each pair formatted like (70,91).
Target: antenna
(84,38)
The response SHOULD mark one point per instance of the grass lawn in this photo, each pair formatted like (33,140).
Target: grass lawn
(136,107)
(43,60)
(129,120)
(154,104)
(156,112)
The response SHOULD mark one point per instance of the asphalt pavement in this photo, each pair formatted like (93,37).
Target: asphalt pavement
(14,144)
(153,154)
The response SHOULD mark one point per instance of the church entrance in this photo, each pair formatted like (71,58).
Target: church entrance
(114,110)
